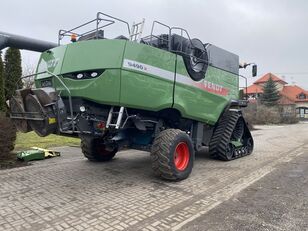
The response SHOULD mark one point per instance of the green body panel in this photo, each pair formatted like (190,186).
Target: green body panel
(87,55)
(142,90)
(93,54)
(104,89)
(51,61)
(138,76)
(199,104)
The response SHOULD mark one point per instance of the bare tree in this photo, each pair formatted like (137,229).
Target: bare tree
(28,69)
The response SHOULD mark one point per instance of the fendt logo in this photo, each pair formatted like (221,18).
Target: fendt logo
(52,63)
(212,87)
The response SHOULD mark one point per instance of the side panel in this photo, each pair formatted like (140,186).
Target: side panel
(147,77)
(204,100)
(82,56)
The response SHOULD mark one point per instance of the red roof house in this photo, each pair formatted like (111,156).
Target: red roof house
(290,94)
(266,77)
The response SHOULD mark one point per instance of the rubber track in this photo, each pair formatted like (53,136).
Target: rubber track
(222,135)
(161,146)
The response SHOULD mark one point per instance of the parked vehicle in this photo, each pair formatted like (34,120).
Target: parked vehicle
(167,94)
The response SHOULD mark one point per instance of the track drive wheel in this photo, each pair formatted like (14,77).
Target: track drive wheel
(172,155)
(231,129)
(95,150)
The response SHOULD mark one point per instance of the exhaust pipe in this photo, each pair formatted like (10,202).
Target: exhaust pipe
(24,43)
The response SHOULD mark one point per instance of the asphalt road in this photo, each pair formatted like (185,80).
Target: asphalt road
(264,191)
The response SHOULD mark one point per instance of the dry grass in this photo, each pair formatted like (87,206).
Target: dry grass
(30,139)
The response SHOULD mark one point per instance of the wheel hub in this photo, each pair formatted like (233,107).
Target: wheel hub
(181,156)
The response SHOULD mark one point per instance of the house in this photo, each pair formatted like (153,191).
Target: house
(292,96)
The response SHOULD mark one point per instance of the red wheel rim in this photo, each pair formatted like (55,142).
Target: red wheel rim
(181,156)
(101,150)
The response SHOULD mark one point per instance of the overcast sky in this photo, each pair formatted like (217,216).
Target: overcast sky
(272,33)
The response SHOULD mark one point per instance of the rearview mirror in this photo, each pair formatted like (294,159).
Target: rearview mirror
(254,70)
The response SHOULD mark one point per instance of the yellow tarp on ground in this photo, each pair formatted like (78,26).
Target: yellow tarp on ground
(48,152)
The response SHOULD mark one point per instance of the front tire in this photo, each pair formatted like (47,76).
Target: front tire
(95,150)
(172,155)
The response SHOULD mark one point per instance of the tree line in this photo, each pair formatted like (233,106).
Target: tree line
(10,73)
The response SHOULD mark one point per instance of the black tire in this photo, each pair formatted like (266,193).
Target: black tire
(196,59)
(95,150)
(163,155)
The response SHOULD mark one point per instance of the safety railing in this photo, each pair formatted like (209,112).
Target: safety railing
(100,18)
(149,40)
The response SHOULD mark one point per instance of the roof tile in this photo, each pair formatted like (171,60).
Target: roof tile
(254,88)
(266,77)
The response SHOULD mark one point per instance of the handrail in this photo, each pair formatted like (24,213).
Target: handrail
(120,20)
(169,29)
(69,98)
(63,33)
(182,30)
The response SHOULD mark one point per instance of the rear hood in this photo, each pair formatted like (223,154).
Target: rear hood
(80,56)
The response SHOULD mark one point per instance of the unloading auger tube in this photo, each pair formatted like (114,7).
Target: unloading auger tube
(24,43)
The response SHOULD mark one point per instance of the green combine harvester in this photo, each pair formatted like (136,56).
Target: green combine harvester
(166,93)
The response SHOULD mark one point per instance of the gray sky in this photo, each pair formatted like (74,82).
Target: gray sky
(272,34)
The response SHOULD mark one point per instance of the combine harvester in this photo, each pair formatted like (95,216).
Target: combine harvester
(167,94)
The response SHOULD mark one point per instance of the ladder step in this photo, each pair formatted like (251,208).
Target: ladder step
(136,31)
(110,119)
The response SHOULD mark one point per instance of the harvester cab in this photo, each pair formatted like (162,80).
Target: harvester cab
(169,94)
